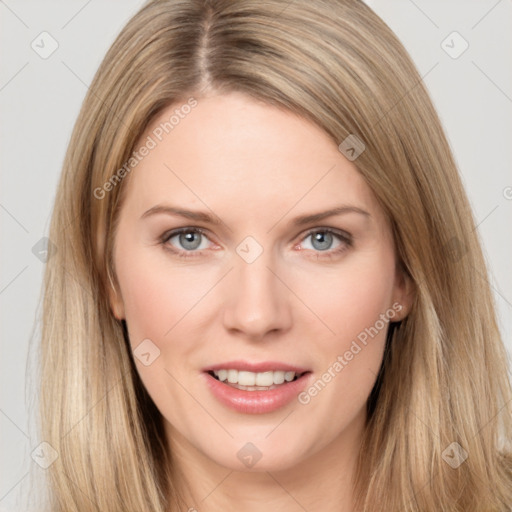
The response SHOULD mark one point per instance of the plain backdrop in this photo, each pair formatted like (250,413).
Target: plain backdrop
(40,99)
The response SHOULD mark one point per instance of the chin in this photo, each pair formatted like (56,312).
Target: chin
(259,453)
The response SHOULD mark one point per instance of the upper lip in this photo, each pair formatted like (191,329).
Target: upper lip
(264,366)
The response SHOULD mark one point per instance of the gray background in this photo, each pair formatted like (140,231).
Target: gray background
(40,99)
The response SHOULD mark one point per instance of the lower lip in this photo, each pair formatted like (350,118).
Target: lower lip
(256,402)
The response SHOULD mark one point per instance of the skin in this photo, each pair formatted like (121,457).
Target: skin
(256,168)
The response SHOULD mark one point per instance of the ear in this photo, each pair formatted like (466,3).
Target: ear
(115,300)
(404,293)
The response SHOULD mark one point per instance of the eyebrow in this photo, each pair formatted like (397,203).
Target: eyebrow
(206,217)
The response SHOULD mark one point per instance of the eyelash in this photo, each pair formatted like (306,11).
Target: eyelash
(344,237)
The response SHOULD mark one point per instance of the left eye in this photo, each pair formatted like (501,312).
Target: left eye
(322,240)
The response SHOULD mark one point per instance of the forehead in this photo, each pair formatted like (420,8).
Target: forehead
(238,153)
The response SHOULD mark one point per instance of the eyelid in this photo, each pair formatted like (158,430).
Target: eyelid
(167,235)
(345,237)
(177,231)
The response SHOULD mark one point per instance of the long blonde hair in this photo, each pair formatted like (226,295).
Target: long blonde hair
(444,378)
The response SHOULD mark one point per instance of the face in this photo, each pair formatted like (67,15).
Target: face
(257,276)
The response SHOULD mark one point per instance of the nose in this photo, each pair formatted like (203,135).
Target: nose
(257,301)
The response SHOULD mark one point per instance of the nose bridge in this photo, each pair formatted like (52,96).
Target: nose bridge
(256,302)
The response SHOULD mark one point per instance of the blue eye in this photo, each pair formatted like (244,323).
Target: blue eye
(188,238)
(190,242)
(322,240)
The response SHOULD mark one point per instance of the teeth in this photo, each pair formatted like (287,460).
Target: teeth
(262,379)
(288,376)
(278,377)
(246,378)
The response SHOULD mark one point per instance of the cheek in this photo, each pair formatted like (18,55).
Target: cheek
(355,303)
(351,298)
(162,302)
(158,296)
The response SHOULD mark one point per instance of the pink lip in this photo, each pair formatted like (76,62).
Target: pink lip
(265,366)
(256,402)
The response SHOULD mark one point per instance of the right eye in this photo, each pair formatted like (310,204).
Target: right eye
(187,240)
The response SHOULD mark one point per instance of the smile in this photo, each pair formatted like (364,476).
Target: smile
(248,391)
(252,381)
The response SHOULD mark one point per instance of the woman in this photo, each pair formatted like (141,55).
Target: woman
(268,291)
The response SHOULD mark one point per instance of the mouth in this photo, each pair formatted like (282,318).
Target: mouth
(252,381)
(256,388)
